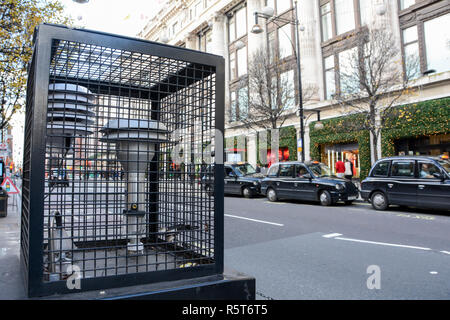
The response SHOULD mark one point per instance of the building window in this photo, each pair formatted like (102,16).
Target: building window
(205,41)
(406,4)
(341,16)
(232,66)
(365,11)
(284,41)
(411,49)
(233,107)
(208,41)
(271,46)
(175,28)
(237,24)
(437,43)
(197,9)
(241,22)
(287,82)
(242,61)
(327,27)
(231,29)
(243,103)
(348,71)
(330,82)
(345,16)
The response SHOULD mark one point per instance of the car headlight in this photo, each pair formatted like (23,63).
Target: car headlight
(255,183)
(340,186)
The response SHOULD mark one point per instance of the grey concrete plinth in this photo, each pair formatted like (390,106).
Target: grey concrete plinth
(231,285)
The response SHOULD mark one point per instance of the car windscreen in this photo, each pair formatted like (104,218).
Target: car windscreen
(244,169)
(320,170)
(445,164)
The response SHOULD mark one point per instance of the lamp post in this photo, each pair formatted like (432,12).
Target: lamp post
(267,13)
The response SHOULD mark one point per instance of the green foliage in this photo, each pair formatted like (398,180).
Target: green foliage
(343,130)
(18,19)
(415,120)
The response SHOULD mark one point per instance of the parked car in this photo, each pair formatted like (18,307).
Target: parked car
(312,181)
(416,181)
(58,177)
(239,179)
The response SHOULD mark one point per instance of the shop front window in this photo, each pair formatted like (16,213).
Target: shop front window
(331,154)
(433,145)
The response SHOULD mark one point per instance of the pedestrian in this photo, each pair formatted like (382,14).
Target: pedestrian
(340,169)
(348,169)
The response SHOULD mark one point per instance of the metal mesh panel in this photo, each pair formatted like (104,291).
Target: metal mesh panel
(128,137)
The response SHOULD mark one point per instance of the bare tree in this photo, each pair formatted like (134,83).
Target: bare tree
(373,80)
(272,93)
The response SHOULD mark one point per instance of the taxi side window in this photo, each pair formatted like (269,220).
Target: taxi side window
(381,169)
(286,170)
(300,171)
(228,170)
(402,169)
(427,169)
(273,171)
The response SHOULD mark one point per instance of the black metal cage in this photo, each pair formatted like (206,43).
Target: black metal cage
(119,133)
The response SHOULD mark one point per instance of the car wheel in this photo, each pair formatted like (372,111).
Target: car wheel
(246,192)
(325,198)
(379,201)
(272,195)
(350,202)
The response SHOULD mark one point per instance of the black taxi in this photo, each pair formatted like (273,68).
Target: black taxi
(312,181)
(239,179)
(416,181)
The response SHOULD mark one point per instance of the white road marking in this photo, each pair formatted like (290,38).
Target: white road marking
(446,252)
(332,235)
(433,272)
(384,244)
(254,220)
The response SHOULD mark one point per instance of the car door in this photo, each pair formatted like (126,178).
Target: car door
(402,186)
(304,189)
(285,181)
(230,180)
(432,192)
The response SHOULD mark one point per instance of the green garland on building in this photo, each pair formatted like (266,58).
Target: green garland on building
(415,120)
(346,129)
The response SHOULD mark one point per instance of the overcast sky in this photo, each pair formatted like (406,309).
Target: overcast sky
(125,17)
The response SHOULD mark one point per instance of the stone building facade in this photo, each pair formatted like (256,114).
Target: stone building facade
(223,27)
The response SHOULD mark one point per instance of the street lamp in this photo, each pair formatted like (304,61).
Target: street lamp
(381,9)
(239,45)
(268,13)
(428,72)
(318,125)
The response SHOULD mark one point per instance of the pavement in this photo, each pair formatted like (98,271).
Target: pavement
(11,283)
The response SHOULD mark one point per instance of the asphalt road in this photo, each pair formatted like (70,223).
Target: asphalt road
(301,250)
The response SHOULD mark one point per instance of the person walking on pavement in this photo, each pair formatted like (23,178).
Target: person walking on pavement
(340,169)
(348,169)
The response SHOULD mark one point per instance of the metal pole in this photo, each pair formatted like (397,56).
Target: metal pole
(300,93)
